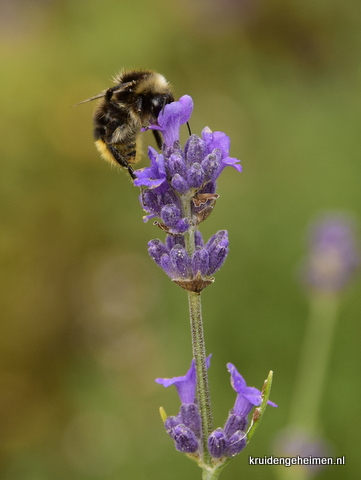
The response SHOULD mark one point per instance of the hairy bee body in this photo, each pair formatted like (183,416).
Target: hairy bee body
(134,101)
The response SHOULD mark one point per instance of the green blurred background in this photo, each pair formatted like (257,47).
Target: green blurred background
(88,321)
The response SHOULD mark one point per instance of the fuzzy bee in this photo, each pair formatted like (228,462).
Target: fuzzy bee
(134,101)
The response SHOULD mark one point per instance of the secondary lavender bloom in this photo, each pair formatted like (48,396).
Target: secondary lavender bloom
(231,440)
(185,428)
(334,256)
(247,397)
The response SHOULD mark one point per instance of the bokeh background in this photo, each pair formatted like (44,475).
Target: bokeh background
(87,320)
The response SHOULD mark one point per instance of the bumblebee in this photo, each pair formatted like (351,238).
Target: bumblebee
(135,100)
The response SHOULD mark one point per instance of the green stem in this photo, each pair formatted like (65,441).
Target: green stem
(313,361)
(199,354)
(211,474)
(198,346)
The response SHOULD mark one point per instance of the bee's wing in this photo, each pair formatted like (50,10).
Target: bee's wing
(116,89)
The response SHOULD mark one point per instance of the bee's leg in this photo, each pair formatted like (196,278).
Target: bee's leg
(108,94)
(108,97)
(121,160)
(158,139)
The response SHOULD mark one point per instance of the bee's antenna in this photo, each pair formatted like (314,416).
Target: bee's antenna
(108,92)
(189,129)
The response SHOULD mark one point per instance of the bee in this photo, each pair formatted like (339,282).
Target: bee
(135,100)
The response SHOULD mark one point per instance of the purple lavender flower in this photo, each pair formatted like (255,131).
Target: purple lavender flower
(231,440)
(179,188)
(154,175)
(236,423)
(186,385)
(190,272)
(219,141)
(334,256)
(185,428)
(247,397)
(190,173)
(172,117)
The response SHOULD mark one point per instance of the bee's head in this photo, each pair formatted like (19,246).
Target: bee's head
(158,102)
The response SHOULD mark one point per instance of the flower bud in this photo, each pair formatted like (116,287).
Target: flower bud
(156,249)
(234,423)
(179,183)
(211,165)
(217,443)
(195,175)
(181,261)
(200,261)
(184,439)
(190,417)
(217,248)
(176,164)
(170,215)
(236,443)
(194,149)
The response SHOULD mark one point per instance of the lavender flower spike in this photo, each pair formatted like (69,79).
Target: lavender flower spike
(334,255)
(179,186)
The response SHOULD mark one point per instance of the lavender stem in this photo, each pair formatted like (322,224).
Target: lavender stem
(199,354)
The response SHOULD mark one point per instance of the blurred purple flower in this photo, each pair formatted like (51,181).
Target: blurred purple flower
(333,256)
(293,442)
